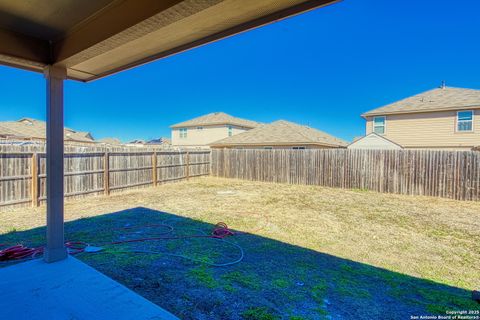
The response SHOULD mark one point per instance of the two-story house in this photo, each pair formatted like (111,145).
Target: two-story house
(200,132)
(443,118)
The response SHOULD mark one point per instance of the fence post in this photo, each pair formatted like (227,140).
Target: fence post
(154,168)
(210,163)
(34,182)
(188,165)
(224,154)
(106,173)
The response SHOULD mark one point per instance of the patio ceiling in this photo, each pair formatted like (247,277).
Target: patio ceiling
(95,38)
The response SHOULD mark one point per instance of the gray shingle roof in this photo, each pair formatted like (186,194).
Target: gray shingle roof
(27,128)
(217,118)
(282,132)
(111,141)
(160,141)
(439,99)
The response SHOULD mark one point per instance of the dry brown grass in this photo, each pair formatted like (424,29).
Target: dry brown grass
(430,238)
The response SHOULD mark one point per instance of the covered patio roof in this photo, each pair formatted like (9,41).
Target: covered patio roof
(94,38)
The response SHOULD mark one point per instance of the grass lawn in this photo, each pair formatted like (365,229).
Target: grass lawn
(310,252)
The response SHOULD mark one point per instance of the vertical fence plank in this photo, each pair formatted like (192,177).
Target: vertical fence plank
(34,180)
(154,168)
(187,163)
(106,173)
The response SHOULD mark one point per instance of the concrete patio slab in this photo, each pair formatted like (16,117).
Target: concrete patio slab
(69,289)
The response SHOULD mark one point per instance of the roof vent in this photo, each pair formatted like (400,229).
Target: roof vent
(443,85)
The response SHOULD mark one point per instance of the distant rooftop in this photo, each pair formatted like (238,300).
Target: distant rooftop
(439,99)
(282,132)
(137,141)
(217,118)
(28,128)
(111,141)
(160,141)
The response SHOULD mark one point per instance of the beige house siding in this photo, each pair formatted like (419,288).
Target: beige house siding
(197,137)
(433,130)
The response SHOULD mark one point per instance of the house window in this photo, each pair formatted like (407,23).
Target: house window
(183,133)
(379,125)
(199,128)
(268,148)
(465,121)
(298,148)
(230,131)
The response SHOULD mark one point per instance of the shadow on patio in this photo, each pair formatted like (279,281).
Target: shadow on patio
(274,279)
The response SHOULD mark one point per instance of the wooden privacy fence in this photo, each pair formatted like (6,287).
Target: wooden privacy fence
(23,173)
(449,174)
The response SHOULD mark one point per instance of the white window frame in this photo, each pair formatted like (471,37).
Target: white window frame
(268,148)
(183,133)
(457,121)
(384,125)
(230,131)
(299,148)
(200,128)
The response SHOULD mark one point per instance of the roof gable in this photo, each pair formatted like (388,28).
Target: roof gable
(439,99)
(374,141)
(280,133)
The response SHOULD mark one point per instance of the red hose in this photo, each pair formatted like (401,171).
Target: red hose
(20,252)
(220,231)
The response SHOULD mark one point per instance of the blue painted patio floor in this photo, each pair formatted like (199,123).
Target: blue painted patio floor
(69,289)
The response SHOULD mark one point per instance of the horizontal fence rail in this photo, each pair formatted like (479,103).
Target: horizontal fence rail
(448,174)
(93,171)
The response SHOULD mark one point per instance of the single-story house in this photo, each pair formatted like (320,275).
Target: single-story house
(200,132)
(374,141)
(35,130)
(443,118)
(281,134)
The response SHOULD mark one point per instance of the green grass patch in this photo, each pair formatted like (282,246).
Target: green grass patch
(258,313)
(11,230)
(319,291)
(204,275)
(438,301)
(281,283)
(243,279)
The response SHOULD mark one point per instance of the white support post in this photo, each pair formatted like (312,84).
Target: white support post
(55,249)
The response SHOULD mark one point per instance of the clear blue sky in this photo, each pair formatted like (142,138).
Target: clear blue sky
(323,69)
